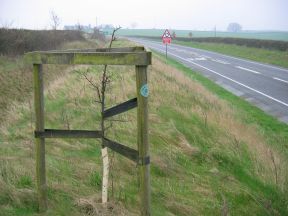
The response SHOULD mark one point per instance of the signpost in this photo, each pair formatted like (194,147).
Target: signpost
(166,38)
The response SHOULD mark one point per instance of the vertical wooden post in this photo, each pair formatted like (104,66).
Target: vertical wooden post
(40,142)
(142,138)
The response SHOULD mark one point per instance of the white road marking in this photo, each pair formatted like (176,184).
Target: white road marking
(191,59)
(200,59)
(276,78)
(246,69)
(220,61)
(204,56)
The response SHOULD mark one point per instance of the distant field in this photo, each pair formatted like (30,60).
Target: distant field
(266,35)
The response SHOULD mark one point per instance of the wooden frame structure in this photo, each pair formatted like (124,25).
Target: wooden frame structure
(137,56)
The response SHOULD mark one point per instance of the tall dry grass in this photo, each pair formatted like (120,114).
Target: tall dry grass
(168,84)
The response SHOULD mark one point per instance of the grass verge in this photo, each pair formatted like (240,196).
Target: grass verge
(208,156)
(276,131)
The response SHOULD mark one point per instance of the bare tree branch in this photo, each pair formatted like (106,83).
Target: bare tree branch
(101,93)
(55,20)
(95,86)
(104,82)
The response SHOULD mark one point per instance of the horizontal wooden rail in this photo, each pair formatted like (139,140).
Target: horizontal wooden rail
(91,58)
(121,49)
(54,133)
(128,152)
(120,108)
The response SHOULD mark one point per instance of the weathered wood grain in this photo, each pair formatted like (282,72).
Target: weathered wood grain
(142,138)
(40,142)
(90,58)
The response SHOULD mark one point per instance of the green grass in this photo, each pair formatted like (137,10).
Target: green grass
(206,148)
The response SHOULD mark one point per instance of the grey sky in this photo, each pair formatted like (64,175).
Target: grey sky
(176,14)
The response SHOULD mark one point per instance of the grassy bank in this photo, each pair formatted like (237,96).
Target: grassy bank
(275,57)
(248,113)
(210,154)
(16,77)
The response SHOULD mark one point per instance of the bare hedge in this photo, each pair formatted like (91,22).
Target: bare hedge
(266,44)
(19,41)
(257,43)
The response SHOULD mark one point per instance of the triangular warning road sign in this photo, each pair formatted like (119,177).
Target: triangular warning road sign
(166,34)
(166,37)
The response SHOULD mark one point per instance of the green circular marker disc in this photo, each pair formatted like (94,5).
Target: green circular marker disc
(144,91)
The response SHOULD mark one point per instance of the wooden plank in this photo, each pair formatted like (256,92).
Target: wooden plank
(120,108)
(142,138)
(91,58)
(54,133)
(40,142)
(128,152)
(121,49)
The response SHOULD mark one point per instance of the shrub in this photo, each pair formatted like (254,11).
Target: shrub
(266,44)
(19,41)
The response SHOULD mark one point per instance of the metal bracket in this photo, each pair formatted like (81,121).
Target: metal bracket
(143,161)
(126,151)
(120,108)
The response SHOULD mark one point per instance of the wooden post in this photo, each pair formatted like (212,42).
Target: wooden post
(142,138)
(40,142)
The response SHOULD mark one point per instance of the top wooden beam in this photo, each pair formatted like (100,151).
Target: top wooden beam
(113,56)
(119,49)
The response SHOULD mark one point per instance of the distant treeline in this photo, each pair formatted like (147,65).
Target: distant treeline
(266,44)
(19,41)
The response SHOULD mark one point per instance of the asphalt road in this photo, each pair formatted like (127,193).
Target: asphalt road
(263,85)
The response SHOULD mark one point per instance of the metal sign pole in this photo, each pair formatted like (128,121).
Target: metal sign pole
(166,38)
(166,51)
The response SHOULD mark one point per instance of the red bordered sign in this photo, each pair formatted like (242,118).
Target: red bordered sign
(166,37)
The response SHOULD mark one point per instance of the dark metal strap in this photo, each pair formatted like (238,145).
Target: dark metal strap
(54,133)
(144,161)
(128,152)
(120,108)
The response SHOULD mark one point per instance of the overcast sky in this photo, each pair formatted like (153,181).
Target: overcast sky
(175,14)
